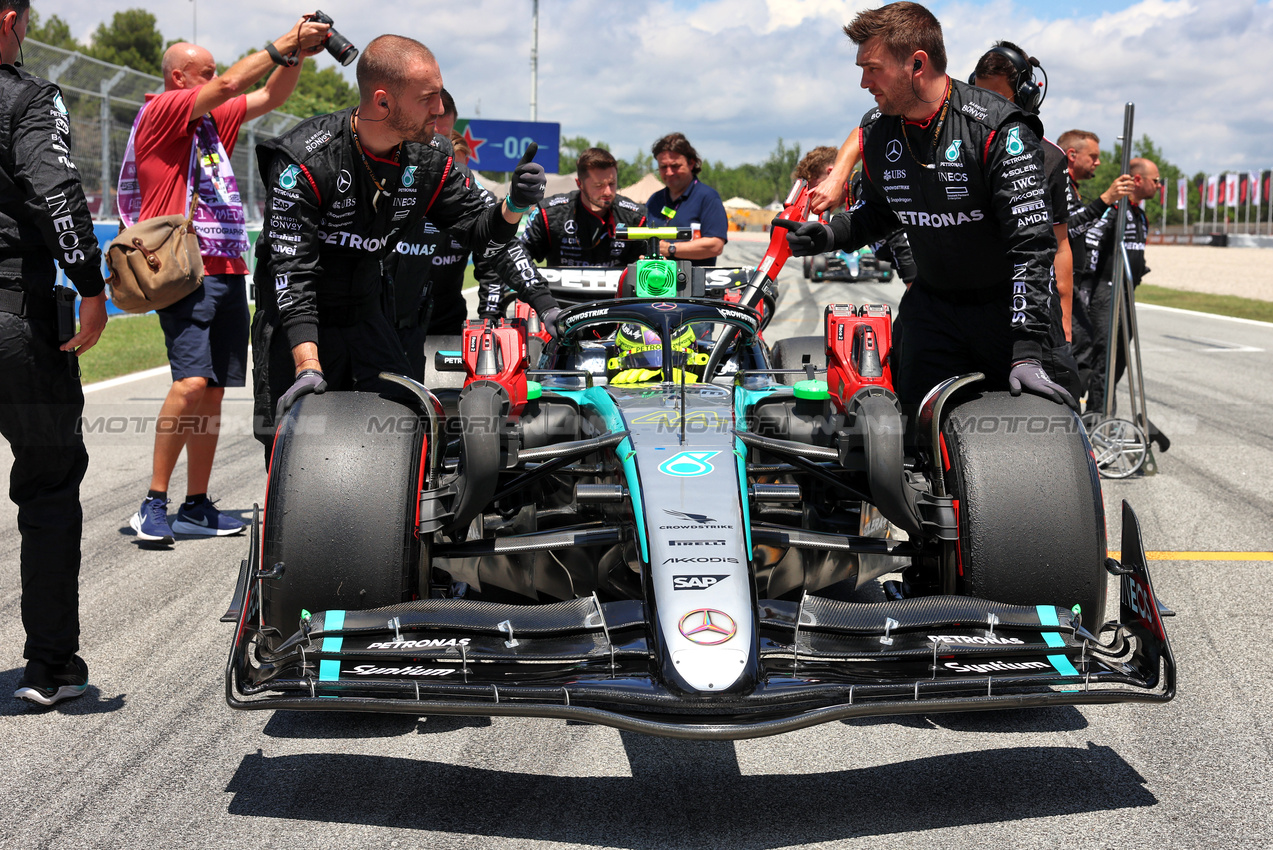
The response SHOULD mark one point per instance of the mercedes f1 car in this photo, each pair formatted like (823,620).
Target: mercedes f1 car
(666,525)
(852,266)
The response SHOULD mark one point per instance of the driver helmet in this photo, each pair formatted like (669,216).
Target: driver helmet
(638,356)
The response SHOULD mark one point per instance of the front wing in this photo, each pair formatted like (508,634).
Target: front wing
(821,660)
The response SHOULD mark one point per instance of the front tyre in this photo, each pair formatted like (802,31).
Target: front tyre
(340,508)
(1031,516)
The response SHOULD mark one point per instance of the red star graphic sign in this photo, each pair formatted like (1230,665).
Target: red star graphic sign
(473,144)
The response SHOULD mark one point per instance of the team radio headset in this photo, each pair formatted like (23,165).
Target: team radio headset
(1028,94)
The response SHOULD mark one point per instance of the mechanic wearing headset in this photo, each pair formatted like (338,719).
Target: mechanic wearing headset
(943,160)
(576,228)
(341,189)
(1006,70)
(43,216)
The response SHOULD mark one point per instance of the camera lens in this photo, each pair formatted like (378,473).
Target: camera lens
(341,48)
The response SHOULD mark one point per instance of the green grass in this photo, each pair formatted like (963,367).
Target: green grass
(1224,305)
(129,344)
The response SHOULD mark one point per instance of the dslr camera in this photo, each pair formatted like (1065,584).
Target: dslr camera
(340,48)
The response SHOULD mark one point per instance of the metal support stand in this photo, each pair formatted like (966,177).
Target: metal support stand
(1122,446)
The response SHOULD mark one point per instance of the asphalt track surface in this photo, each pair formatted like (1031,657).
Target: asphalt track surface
(152,757)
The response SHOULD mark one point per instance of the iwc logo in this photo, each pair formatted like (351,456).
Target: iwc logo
(708,627)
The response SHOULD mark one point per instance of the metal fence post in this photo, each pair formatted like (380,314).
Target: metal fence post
(107,85)
(250,196)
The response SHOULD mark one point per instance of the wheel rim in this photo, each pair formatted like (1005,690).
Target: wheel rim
(1120,447)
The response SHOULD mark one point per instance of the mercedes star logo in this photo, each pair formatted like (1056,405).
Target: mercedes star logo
(343,181)
(708,627)
(893,152)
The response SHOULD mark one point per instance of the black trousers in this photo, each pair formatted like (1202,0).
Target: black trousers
(352,357)
(1103,337)
(40,407)
(941,337)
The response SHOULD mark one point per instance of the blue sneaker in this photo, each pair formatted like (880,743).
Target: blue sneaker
(205,520)
(46,684)
(151,521)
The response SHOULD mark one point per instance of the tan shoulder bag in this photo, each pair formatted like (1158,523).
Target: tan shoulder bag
(156,262)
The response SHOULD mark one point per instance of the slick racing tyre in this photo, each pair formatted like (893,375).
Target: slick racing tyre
(818,267)
(340,508)
(1031,517)
(790,353)
(808,267)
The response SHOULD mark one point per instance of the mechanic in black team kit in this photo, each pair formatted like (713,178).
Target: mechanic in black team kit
(43,217)
(1008,71)
(944,160)
(577,228)
(341,189)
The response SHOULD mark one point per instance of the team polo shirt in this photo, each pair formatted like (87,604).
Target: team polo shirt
(162,149)
(700,203)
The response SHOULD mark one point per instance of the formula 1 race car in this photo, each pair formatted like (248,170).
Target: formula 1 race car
(671,527)
(852,266)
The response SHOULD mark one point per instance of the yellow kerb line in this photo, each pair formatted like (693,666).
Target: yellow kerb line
(1201,556)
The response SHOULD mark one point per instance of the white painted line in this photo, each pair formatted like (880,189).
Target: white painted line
(1140,306)
(128,379)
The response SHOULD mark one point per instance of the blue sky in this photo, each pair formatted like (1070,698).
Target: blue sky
(735,75)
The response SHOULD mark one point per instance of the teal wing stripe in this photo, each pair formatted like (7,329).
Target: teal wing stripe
(329,669)
(1047,615)
(1063,665)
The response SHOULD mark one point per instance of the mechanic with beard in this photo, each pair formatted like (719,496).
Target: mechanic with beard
(341,189)
(577,228)
(942,160)
(1006,70)
(43,217)
(1083,156)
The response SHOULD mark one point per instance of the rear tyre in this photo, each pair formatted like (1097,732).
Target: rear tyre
(818,267)
(1031,517)
(340,508)
(807,265)
(790,353)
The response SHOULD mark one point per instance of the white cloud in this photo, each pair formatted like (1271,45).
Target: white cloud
(734,75)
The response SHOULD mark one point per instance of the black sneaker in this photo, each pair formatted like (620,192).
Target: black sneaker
(45,684)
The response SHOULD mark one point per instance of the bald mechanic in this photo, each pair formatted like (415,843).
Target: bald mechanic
(942,160)
(341,190)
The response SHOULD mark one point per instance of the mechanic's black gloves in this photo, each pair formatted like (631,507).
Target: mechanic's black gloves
(308,381)
(806,238)
(527,188)
(549,318)
(1029,375)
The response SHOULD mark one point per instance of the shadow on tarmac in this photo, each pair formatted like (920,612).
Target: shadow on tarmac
(689,794)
